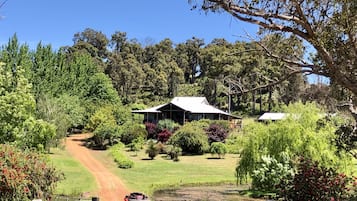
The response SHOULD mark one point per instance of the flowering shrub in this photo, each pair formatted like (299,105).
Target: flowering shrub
(164,135)
(270,173)
(315,182)
(25,175)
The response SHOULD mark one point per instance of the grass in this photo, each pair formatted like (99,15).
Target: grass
(149,175)
(77,178)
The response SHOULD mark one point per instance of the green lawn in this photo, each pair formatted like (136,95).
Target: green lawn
(148,175)
(77,178)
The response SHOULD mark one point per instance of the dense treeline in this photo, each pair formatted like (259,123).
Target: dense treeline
(65,87)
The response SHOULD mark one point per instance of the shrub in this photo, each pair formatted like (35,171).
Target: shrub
(218,148)
(222,123)
(25,175)
(270,173)
(100,116)
(130,131)
(298,135)
(167,124)
(191,139)
(152,130)
(122,160)
(137,144)
(216,133)
(164,136)
(173,152)
(105,134)
(152,150)
(315,182)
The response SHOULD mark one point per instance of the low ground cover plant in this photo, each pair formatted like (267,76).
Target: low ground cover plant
(121,159)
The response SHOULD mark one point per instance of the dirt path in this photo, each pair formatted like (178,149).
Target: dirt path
(111,188)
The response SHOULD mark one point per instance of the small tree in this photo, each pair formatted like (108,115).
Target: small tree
(152,150)
(218,148)
(105,134)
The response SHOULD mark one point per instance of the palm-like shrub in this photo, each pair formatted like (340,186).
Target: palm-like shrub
(152,150)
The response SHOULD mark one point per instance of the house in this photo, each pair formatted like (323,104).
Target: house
(185,109)
(271,116)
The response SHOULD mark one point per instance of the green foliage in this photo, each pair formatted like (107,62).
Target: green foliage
(50,110)
(25,175)
(106,134)
(167,124)
(73,107)
(270,173)
(36,134)
(173,152)
(103,115)
(234,143)
(101,89)
(190,139)
(130,131)
(218,148)
(137,144)
(152,150)
(297,135)
(16,103)
(122,160)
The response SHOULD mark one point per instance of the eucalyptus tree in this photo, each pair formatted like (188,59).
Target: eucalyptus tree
(163,68)
(92,42)
(188,58)
(328,27)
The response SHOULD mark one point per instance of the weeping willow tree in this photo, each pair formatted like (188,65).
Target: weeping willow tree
(306,131)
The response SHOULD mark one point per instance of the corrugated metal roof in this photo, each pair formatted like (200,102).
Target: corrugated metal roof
(272,116)
(196,105)
(149,110)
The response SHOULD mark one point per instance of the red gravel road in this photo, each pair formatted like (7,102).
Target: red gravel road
(111,188)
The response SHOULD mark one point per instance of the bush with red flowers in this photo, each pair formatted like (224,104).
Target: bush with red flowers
(25,175)
(315,182)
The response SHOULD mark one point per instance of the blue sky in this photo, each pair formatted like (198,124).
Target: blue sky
(56,21)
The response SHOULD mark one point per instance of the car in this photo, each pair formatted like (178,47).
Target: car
(136,196)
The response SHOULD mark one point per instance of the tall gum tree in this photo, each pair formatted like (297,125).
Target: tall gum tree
(328,26)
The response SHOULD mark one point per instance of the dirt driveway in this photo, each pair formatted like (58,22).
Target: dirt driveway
(111,188)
